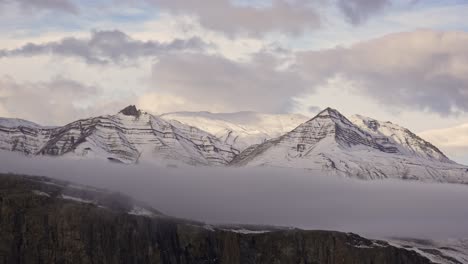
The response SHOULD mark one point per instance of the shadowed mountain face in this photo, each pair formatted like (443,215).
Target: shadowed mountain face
(49,221)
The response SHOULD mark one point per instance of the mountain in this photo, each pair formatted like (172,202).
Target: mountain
(50,221)
(127,137)
(241,129)
(366,149)
(359,147)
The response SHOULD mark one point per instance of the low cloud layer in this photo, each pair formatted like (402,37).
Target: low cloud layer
(273,196)
(106,46)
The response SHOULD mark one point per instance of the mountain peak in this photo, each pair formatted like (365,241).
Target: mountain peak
(329,112)
(332,114)
(130,110)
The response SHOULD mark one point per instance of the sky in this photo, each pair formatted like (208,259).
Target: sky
(404,61)
(272,196)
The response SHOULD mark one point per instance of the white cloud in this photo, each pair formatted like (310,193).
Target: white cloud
(421,70)
(452,140)
(260,84)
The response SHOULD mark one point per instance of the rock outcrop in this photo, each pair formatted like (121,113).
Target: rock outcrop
(131,110)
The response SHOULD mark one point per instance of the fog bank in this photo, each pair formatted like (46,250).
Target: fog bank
(271,196)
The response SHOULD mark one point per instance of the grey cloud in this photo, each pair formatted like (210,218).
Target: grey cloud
(357,11)
(421,70)
(273,196)
(59,5)
(314,109)
(209,80)
(290,16)
(50,103)
(105,47)
(287,16)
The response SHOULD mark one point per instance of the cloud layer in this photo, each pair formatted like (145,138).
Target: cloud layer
(227,85)
(273,196)
(420,70)
(54,102)
(225,15)
(453,140)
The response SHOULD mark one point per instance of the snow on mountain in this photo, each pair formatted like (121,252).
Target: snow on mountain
(333,144)
(330,143)
(22,136)
(241,129)
(15,122)
(449,251)
(400,137)
(128,137)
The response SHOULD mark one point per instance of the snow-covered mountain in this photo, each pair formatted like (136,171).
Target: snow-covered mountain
(366,149)
(241,129)
(128,137)
(359,147)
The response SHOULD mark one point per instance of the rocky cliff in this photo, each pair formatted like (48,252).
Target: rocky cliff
(49,221)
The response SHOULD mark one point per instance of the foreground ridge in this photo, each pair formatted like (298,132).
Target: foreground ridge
(50,221)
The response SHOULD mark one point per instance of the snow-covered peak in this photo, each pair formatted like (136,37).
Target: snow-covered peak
(330,112)
(366,149)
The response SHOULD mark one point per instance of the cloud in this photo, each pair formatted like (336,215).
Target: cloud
(452,140)
(288,16)
(56,5)
(49,103)
(271,196)
(106,47)
(314,109)
(215,83)
(423,70)
(357,11)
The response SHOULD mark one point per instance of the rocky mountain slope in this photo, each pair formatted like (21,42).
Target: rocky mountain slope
(49,221)
(128,137)
(366,149)
(241,129)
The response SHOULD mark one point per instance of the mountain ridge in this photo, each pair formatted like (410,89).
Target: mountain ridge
(331,143)
(358,147)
